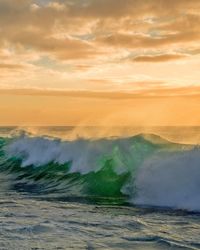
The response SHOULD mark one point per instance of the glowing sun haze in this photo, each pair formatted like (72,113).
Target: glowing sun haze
(97,62)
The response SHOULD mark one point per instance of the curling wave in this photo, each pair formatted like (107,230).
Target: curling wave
(142,170)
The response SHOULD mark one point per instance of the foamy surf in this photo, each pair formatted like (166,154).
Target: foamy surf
(141,170)
(133,192)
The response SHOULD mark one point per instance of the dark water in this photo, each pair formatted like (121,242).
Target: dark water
(97,188)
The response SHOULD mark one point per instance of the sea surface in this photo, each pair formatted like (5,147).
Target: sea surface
(99,188)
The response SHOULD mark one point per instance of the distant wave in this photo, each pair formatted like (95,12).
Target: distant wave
(143,169)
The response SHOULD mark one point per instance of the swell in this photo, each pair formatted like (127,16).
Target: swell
(143,170)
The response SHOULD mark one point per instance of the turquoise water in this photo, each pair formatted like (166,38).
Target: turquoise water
(111,191)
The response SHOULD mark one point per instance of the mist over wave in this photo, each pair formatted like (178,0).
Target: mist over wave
(170,180)
(142,170)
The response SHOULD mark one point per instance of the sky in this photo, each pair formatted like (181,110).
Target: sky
(100,62)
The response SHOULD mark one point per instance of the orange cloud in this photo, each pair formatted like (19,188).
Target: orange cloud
(144,41)
(89,44)
(10,66)
(158,58)
(147,93)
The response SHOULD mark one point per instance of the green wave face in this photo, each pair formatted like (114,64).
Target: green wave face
(91,169)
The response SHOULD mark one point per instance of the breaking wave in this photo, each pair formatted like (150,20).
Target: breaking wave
(142,170)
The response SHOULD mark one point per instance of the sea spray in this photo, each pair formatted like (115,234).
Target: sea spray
(170,180)
(143,169)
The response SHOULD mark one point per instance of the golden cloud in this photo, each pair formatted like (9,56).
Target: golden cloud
(10,66)
(37,29)
(146,93)
(97,36)
(158,58)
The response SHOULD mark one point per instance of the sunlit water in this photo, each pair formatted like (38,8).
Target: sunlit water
(43,206)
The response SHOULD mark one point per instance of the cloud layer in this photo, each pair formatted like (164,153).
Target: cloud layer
(99,45)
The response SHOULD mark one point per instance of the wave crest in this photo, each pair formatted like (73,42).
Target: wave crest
(144,169)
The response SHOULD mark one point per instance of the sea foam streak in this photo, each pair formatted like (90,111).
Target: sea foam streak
(145,169)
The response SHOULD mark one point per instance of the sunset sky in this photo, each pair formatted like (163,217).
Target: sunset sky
(99,62)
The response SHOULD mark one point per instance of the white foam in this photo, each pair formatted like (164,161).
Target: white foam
(171,180)
(84,155)
(164,178)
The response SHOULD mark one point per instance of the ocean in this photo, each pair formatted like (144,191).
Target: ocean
(99,188)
